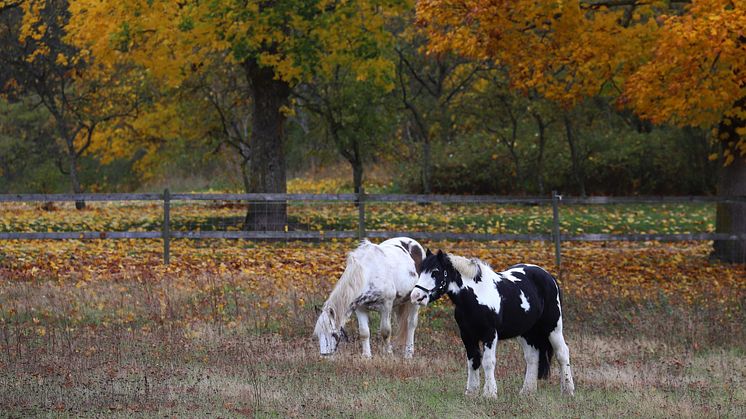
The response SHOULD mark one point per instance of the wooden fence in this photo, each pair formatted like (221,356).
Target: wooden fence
(166,234)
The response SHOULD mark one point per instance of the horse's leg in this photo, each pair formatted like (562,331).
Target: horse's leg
(488,364)
(531,355)
(364,330)
(386,308)
(473,362)
(412,312)
(563,357)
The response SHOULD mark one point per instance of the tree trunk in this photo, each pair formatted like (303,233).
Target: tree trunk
(245,175)
(540,158)
(72,155)
(75,181)
(576,167)
(357,174)
(731,218)
(357,177)
(267,169)
(426,169)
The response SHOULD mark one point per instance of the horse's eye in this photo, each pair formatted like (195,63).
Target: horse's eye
(445,273)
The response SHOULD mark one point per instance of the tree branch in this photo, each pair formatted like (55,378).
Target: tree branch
(414,73)
(407,104)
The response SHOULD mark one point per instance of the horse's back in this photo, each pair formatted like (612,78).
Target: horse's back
(389,267)
(545,284)
(531,294)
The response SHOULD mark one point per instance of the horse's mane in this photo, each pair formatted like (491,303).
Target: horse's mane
(346,290)
(468,268)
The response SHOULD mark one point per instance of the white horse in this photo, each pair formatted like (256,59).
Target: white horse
(378,277)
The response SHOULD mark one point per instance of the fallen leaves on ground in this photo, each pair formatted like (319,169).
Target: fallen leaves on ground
(125,280)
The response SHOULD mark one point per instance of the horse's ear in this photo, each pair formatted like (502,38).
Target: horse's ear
(440,254)
(428,253)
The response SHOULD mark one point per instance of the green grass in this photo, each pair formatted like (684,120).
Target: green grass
(619,219)
(473,218)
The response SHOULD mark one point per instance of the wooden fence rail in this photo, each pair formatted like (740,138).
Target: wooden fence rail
(351,197)
(361,199)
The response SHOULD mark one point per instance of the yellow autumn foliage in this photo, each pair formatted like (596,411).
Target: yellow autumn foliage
(670,63)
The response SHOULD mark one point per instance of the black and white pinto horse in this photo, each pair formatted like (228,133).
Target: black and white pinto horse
(378,277)
(522,302)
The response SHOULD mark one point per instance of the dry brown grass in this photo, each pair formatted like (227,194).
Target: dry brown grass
(196,368)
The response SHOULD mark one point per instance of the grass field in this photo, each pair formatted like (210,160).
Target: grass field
(103,328)
(315,216)
(202,370)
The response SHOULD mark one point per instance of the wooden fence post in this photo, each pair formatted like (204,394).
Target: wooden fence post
(166,233)
(556,230)
(361,214)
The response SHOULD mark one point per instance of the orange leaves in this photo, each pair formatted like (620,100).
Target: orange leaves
(687,67)
(554,47)
(696,73)
(124,282)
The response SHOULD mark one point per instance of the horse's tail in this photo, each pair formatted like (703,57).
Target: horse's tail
(402,314)
(546,352)
(348,288)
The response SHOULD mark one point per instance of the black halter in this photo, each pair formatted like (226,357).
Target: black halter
(423,289)
(438,290)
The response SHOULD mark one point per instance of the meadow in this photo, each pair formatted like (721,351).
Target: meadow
(91,328)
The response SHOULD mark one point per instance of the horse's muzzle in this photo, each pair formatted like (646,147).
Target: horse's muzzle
(419,297)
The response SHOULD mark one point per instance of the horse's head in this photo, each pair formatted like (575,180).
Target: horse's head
(437,272)
(328,331)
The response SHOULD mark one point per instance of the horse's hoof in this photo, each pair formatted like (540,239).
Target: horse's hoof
(567,388)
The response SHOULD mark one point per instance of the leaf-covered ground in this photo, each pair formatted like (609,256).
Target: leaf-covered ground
(289,275)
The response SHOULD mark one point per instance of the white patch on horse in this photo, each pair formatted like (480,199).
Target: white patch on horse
(524,302)
(509,274)
(562,352)
(472,378)
(488,365)
(484,290)
(487,295)
(452,287)
(531,356)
